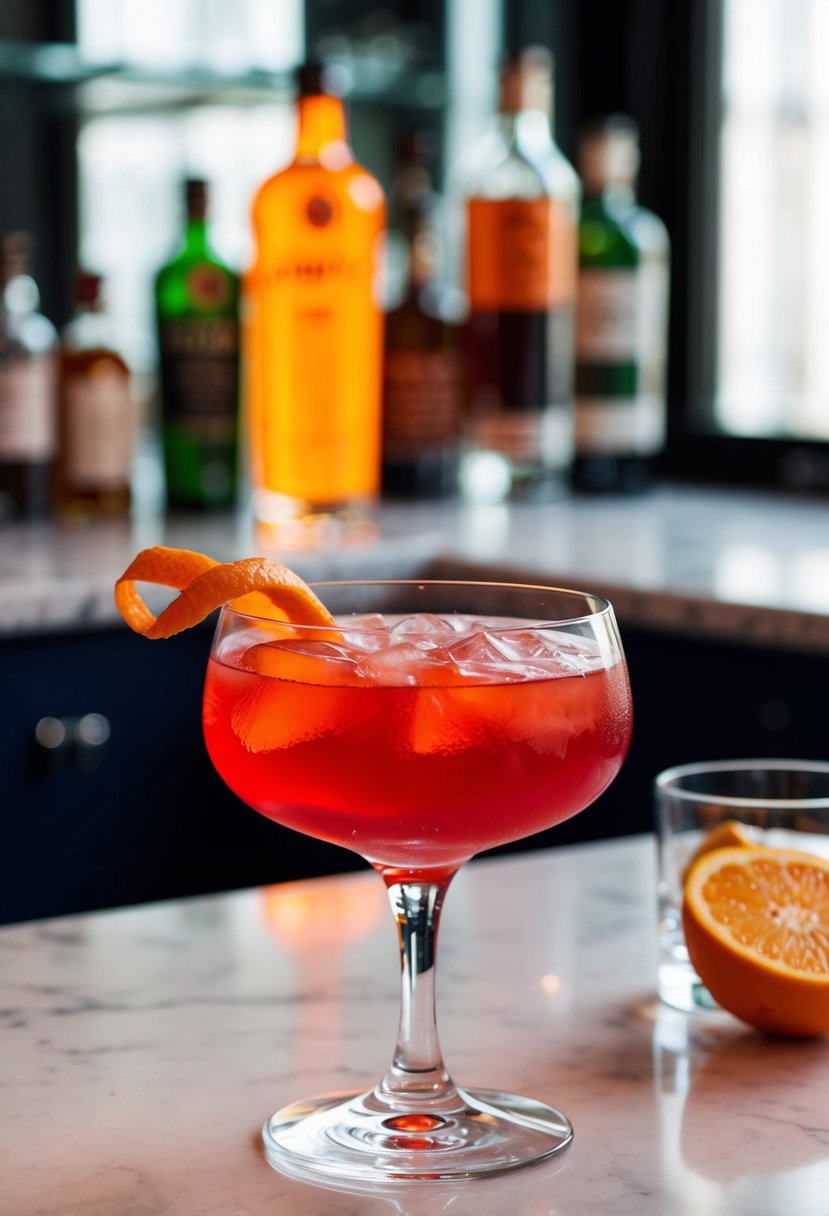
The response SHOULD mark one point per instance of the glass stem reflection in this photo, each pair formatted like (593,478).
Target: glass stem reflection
(417,1078)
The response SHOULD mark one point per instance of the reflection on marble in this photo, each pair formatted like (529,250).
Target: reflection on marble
(143,1048)
(712,562)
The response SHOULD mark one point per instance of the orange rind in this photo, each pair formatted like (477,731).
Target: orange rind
(326,664)
(255,585)
(728,834)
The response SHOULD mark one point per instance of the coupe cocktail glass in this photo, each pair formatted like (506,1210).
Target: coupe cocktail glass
(437,720)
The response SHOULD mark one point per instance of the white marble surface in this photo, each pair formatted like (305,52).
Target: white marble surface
(143,1048)
(716,563)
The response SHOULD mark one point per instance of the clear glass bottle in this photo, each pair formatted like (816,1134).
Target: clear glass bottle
(522,204)
(314,333)
(28,387)
(622,318)
(96,412)
(197,316)
(421,366)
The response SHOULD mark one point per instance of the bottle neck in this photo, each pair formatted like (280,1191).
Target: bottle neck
(516,126)
(613,195)
(608,165)
(195,234)
(420,239)
(322,129)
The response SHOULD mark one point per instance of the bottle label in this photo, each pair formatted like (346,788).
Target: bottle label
(606,317)
(27,410)
(620,426)
(622,314)
(314,338)
(521,254)
(208,287)
(200,376)
(420,401)
(621,336)
(99,428)
(519,361)
(529,439)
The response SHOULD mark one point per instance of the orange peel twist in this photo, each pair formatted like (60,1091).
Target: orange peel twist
(254,584)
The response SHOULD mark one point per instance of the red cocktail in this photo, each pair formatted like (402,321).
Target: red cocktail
(420,759)
(434,720)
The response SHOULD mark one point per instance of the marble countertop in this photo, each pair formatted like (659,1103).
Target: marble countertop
(732,564)
(144,1047)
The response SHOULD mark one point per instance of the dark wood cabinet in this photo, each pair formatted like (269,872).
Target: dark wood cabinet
(143,815)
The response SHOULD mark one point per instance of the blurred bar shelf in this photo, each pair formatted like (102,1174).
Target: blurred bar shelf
(94,87)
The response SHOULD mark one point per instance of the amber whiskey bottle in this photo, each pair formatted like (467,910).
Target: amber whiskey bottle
(421,367)
(96,413)
(197,316)
(314,333)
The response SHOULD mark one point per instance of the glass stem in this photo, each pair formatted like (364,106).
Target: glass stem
(417,1078)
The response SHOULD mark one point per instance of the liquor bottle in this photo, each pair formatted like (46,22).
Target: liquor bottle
(96,413)
(314,338)
(197,316)
(521,262)
(421,366)
(28,430)
(622,318)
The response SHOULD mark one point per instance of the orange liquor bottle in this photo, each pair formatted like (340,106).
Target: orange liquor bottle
(313,333)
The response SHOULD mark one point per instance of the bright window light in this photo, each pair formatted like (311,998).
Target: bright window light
(773,305)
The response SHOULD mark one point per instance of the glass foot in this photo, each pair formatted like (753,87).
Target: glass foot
(355,1136)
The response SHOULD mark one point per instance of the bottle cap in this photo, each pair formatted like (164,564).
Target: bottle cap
(526,81)
(609,153)
(417,150)
(87,288)
(15,253)
(315,79)
(195,194)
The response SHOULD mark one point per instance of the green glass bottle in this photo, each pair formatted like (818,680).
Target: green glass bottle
(197,315)
(622,318)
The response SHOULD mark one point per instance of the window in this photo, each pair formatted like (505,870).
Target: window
(146,129)
(772,339)
(750,398)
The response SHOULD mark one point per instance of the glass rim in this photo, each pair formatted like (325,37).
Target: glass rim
(603,608)
(668,782)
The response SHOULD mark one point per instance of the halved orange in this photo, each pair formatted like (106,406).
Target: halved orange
(254,584)
(756,924)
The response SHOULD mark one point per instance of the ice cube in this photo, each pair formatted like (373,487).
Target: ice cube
(536,656)
(364,620)
(445,720)
(364,632)
(394,667)
(479,658)
(271,716)
(424,625)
